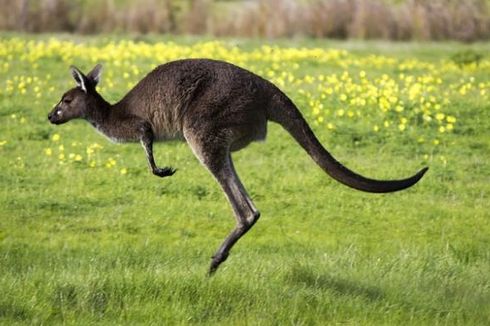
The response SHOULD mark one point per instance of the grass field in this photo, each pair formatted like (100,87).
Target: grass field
(88,235)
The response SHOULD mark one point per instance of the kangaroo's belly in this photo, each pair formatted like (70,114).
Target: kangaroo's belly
(164,135)
(164,119)
(166,125)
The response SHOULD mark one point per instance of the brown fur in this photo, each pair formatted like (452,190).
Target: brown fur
(217,108)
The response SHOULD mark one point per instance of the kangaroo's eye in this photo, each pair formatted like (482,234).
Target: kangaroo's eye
(67,100)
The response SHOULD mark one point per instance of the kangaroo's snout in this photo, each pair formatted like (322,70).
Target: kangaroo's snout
(55,116)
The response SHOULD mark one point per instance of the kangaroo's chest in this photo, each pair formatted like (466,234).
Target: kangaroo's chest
(120,133)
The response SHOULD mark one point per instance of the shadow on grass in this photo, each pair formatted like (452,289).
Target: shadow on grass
(337,285)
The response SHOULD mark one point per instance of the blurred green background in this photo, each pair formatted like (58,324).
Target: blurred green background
(465,20)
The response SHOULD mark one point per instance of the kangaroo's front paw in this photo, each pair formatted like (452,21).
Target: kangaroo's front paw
(164,172)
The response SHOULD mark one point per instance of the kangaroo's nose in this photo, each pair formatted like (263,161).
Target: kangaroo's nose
(50,115)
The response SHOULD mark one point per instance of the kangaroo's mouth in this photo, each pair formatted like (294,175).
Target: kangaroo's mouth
(55,122)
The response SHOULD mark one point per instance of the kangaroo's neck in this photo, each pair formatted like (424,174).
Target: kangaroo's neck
(116,122)
(130,102)
(99,111)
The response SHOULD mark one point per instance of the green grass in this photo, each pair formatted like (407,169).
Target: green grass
(83,246)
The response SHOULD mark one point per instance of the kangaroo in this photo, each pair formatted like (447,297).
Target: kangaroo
(218,108)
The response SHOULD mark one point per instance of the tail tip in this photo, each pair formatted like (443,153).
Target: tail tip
(421,173)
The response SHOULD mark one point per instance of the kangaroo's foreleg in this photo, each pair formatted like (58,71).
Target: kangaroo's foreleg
(147,143)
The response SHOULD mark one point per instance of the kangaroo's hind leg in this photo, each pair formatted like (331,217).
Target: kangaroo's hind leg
(218,161)
(245,212)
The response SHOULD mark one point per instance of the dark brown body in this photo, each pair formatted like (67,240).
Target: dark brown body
(202,95)
(217,108)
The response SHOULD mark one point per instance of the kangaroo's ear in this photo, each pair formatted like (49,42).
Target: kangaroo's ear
(79,77)
(94,75)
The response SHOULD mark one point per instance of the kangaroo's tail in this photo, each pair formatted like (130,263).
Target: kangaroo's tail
(283,111)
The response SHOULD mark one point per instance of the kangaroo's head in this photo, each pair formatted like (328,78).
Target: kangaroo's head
(76,102)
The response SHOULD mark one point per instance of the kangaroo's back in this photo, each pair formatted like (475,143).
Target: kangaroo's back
(203,90)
